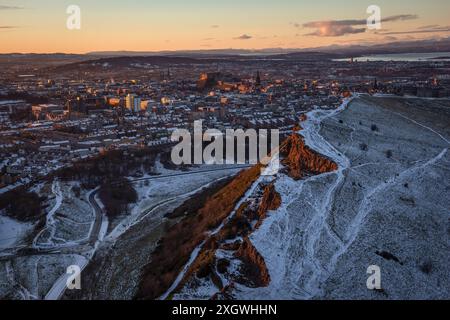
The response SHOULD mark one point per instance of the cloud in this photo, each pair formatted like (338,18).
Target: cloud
(4,7)
(330,30)
(390,38)
(208,39)
(420,30)
(431,26)
(215,26)
(337,28)
(243,37)
(400,17)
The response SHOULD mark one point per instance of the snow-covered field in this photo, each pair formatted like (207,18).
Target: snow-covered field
(389,195)
(387,205)
(68,220)
(12,231)
(159,192)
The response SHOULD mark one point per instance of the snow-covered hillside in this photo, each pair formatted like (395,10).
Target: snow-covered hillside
(388,205)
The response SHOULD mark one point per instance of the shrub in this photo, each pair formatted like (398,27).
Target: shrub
(426,267)
(364,147)
(116,196)
(222,265)
(76,191)
(21,204)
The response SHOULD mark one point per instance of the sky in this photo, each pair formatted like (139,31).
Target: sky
(154,25)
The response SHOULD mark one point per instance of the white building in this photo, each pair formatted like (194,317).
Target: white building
(133,103)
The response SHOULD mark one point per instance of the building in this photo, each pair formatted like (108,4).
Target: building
(48,112)
(129,101)
(14,106)
(210,80)
(133,103)
(14,110)
(258,79)
(77,106)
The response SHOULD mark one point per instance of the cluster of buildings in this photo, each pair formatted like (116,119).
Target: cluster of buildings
(48,124)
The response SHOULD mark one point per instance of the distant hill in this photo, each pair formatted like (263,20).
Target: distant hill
(418,46)
(211,52)
(326,52)
(171,60)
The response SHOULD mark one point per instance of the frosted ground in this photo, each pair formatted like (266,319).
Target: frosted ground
(65,238)
(115,271)
(387,205)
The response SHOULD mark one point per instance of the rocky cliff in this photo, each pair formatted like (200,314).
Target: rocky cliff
(253,270)
(301,161)
(271,200)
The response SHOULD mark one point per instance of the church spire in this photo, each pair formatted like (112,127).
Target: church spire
(258,79)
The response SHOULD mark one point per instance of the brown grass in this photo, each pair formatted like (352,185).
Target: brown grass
(176,246)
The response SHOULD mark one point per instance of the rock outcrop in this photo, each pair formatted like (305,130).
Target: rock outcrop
(234,237)
(271,200)
(181,239)
(253,270)
(301,161)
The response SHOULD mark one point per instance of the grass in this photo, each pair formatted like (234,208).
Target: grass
(176,246)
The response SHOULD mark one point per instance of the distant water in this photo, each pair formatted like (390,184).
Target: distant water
(431,56)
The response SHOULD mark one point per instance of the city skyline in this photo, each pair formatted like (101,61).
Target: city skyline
(26,26)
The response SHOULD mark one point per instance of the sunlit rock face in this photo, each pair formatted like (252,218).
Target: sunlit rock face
(254,266)
(301,160)
(271,201)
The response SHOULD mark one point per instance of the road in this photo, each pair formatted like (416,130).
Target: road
(89,244)
(59,287)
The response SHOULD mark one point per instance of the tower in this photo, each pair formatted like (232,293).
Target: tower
(129,101)
(258,79)
(136,104)
(133,103)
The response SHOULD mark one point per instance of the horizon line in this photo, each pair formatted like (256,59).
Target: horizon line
(341,46)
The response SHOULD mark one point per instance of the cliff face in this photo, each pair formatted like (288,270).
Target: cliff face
(253,270)
(181,239)
(244,265)
(234,235)
(271,200)
(301,160)
(250,268)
